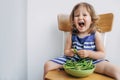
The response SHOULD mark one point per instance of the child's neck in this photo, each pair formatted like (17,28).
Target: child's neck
(84,34)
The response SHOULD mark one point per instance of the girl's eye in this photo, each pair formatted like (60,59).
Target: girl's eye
(76,15)
(84,14)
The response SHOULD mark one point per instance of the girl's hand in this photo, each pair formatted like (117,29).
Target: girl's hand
(83,53)
(69,52)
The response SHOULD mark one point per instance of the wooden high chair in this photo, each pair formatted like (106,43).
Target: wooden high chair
(104,25)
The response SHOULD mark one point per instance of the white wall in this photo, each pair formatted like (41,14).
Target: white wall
(45,40)
(29,35)
(13,51)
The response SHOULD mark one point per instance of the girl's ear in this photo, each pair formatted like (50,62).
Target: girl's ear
(91,22)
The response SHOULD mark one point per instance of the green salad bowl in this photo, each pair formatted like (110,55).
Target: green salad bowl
(79,73)
(80,68)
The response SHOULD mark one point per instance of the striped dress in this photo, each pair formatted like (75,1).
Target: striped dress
(86,43)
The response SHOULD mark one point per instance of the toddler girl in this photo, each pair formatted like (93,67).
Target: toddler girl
(87,40)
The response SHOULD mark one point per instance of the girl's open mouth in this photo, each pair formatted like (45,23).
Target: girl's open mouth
(81,24)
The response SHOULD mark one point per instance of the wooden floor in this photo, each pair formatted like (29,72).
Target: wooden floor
(61,75)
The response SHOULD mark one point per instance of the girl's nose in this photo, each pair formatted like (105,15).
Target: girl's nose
(80,17)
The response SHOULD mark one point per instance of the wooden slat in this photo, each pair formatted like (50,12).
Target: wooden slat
(104,24)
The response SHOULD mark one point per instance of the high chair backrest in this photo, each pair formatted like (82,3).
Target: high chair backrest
(103,25)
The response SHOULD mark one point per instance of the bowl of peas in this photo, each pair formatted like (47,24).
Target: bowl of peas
(80,68)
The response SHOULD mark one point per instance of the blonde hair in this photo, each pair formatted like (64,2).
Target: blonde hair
(92,13)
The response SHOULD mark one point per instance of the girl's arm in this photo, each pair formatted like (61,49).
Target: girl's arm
(100,53)
(68,51)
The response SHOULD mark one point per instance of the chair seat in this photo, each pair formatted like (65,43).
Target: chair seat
(62,75)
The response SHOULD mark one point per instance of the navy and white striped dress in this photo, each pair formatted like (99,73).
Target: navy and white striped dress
(86,43)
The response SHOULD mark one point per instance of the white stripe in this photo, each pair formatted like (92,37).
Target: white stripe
(58,61)
(88,42)
(77,43)
(62,58)
(78,47)
(89,46)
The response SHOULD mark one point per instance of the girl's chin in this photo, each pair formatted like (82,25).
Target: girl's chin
(82,30)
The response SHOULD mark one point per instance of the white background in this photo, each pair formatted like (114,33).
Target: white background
(29,35)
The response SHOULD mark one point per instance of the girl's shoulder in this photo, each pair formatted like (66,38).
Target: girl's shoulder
(69,35)
(97,33)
